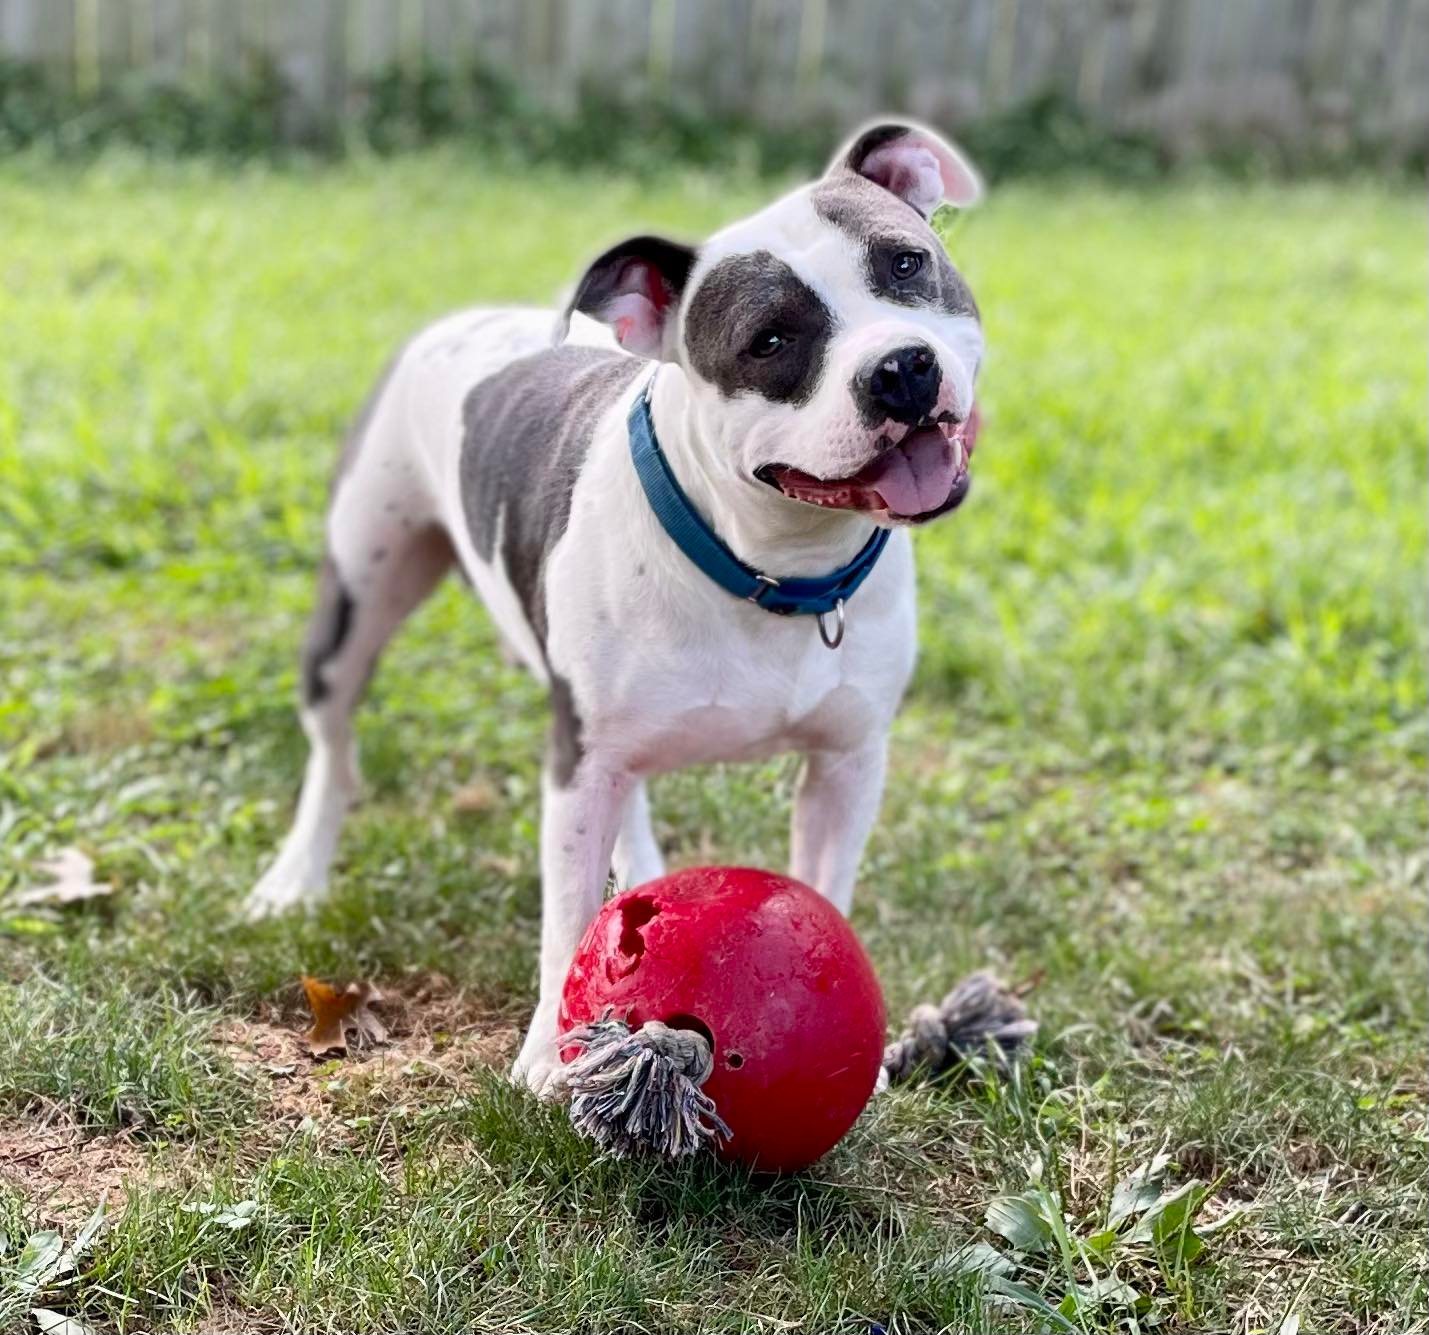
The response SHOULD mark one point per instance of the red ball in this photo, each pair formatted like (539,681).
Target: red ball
(772,974)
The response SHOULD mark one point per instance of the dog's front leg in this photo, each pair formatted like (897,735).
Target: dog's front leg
(834,811)
(579,820)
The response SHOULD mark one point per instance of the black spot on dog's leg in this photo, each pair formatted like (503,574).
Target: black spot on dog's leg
(327,632)
(566,744)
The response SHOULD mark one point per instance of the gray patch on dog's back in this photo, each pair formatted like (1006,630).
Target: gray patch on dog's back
(526,432)
(883,225)
(738,298)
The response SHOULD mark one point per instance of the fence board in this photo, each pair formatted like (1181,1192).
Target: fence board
(23,25)
(1408,110)
(1354,66)
(372,40)
(773,36)
(50,36)
(113,48)
(927,33)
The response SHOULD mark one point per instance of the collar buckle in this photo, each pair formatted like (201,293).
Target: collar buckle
(821,596)
(766,582)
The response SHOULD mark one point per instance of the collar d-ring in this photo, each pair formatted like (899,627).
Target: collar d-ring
(837,638)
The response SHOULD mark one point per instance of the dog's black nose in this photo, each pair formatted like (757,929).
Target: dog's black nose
(901,385)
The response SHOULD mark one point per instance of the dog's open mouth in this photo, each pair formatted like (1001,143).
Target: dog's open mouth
(916,478)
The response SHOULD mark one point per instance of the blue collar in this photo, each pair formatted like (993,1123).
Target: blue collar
(699,542)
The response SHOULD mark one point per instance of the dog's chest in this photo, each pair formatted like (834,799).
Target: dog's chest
(668,670)
(744,695)
(750,716)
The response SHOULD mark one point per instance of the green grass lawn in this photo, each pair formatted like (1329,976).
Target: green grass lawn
(1164,756)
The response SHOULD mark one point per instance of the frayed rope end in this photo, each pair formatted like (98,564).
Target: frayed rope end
(979,1017)
(639,1091)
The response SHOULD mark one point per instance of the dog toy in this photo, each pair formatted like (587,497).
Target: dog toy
(733,1009)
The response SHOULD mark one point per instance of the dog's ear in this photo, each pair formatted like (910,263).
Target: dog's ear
(912,162)
(634,288)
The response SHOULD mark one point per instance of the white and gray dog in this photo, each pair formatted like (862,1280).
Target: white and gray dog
(667,513)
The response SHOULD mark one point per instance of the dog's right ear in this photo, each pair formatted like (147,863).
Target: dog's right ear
(634,288)
(912,162)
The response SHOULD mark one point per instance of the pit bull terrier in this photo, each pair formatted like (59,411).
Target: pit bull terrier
(687,511)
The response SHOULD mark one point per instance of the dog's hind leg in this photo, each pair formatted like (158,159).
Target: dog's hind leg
(637,856)
(385,554)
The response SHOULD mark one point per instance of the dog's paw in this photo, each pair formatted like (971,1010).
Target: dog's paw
(537,1068)
(278,891)
(539,1077)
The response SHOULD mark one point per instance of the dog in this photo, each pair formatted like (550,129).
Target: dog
(687,512)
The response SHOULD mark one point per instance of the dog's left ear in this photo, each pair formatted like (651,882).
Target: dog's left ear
(912,162)
(634,288)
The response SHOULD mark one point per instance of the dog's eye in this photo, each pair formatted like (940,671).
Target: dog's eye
(766,343)
(905,264)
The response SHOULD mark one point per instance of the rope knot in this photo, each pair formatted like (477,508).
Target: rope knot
(979,1016)
(639,1091)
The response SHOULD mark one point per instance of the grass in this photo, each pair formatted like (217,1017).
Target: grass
(1164,754)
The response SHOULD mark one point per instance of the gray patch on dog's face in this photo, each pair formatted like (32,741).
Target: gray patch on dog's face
(741,296)
(526,432)
(884,227)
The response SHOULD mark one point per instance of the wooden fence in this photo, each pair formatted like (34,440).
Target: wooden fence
(1297,70)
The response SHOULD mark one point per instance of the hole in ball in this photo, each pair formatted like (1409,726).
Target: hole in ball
(734,1061)
(693,1023)
(636,913)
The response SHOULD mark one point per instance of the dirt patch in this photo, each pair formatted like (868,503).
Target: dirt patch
(65,1173)
(439,1040)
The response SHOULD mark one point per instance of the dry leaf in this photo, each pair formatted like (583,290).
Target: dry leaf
(477,796)
(334,1013)
(505,865)
(72,880)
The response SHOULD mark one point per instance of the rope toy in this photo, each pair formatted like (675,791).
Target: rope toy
(733,1010)
(979,1017)
(636,1090)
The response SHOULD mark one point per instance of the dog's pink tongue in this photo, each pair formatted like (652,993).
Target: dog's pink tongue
(915,476)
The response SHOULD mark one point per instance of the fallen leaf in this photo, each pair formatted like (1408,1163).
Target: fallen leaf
(89,1232)
(1020,1220)
(334,1013)
(40,1261)
(977,1258)
(477,796)
(71,880)
(506,866)
(1138,1191)
(1167,1225)
(236,1216)
(56,1323)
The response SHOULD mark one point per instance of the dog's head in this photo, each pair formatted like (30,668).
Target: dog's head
(829,344)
